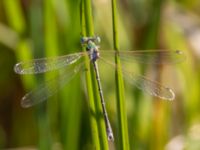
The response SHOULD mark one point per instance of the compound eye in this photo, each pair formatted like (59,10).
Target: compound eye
(98,39)
(84,40)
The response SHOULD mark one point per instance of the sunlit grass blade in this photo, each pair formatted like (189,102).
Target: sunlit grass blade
(123,140)
(35,14)
(153,40)
(49,88)
(100,138)
(66,20)
(93,121)
(17,22)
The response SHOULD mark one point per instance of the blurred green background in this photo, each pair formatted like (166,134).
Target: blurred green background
(43,28)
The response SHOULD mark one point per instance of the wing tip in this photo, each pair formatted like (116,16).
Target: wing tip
(171,95)
(25,103)
(18,68)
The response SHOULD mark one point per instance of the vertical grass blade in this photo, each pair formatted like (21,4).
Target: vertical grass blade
(51,49)
(88,18)
(97,123)
(70,97)
(37,35)
(93,123)
(157,132)
(123,141)
(154,24)
(15,16)
(16,21)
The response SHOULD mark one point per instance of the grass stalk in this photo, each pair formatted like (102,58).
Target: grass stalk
(158,121)
(156,130)
(36,24)
(153,27)
(123,141)
(71,99)
(16,21)
(51,49)
(88,18)
(97,123)
(93,122)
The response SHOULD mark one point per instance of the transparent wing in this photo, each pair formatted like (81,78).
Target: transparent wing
(46,64)
(152,87)
(146,56)
(47,89)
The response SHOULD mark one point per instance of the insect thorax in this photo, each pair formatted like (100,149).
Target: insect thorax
(91,46)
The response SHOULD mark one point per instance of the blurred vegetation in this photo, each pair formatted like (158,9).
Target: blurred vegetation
(35,29)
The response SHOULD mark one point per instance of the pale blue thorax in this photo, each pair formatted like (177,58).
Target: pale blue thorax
(92,47)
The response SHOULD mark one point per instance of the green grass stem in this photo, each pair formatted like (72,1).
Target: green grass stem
(93,122)
(157,132)
(51,49)
(97,123)
(71,96)
(123,140)
(16,21)
(37,35)
(151,37)
(88,18)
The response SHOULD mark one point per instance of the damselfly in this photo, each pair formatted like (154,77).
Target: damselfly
(76,64)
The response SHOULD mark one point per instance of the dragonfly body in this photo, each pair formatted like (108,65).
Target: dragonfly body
(46,90)
(93,52)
